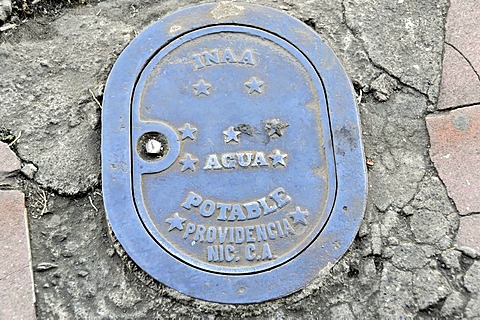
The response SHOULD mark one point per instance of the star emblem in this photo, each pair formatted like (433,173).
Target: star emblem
(231,134)
(187,131)
(299,216)
(175,222)
(188,162)
(254,85)
(278,158)
(201,87)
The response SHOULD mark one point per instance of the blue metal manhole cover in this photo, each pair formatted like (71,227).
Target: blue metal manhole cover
(233,167)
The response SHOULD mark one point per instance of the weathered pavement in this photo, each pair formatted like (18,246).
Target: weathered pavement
(410,257)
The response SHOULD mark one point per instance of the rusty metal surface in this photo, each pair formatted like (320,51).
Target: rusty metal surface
(232,159)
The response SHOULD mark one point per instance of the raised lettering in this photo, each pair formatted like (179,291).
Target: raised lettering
(193,199)
(259,160)
(266,208)
(229,250)
(243,159)
(211,58)
(277,196)
(228,161)
(222,234)
(230,230)
(247,58)
(211,234)
(212,253)
(279,228)
(228,57)
(261,232)
(249,233)
(198,62)
(200,234)
(244,162)
(239,235)
(207,208)
(250,252)
(267,253)
(220,249)
(237,213)
(224,207)
(287,227)
(223,56)
(212,163)
(272,233)
(190,229)
(253,210)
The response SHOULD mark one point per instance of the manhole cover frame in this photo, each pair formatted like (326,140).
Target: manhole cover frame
(349,206)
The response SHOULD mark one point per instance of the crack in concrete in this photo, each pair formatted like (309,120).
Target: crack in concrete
(382,68)
(472,213)
(376,64)
(418,187)
(464,57)
(447,110)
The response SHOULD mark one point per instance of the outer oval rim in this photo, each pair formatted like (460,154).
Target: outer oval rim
(339,231)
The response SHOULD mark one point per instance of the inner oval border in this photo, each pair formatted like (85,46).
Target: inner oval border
(329,152)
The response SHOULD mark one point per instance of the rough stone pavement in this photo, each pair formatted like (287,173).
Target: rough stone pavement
(406,261)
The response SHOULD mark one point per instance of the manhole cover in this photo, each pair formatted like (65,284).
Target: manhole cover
(232,161)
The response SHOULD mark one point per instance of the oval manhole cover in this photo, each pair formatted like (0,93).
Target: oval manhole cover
(232,162)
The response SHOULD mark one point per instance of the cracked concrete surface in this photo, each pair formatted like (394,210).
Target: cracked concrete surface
(402,264)
(416,42)
(49,101)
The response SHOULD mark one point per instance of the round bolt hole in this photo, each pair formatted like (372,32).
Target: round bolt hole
(152,146)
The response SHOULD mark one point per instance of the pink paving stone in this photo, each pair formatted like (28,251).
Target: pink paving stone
(468,232)
(17,296)
(463,29)
(8,160)
(460,85)
(455,151)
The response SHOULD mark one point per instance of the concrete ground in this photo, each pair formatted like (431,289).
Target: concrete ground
(417,74)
